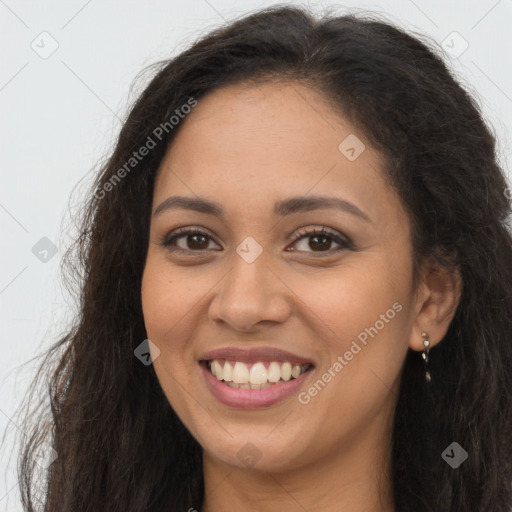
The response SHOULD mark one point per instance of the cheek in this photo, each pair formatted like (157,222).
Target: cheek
(359,314)
(166,300)
(362,361)
(349,298)
(166,304)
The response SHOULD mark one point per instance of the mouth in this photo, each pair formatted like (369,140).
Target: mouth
(257,375)
(253,378)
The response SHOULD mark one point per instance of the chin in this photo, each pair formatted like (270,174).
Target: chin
(248,449)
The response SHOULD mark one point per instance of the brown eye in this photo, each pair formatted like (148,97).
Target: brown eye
(196,241)
(193,241)
(321,240)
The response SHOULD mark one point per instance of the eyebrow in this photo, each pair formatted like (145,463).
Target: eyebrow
(281,208)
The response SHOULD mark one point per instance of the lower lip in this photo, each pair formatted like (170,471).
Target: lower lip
(251,398)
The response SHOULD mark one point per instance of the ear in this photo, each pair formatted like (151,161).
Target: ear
(437,298)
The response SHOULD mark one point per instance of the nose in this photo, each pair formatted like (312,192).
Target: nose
(250,294)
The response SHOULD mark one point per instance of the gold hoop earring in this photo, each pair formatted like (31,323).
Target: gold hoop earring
(424,355)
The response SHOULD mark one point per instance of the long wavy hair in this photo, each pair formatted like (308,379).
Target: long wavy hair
(119,444)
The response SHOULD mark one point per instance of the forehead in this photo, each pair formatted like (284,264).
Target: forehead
(248,146)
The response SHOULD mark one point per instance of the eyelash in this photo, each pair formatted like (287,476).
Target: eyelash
(344,242)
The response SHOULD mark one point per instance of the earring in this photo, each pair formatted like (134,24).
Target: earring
(424,355)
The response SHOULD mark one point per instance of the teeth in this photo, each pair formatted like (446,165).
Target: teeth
(240,373)
(217,369)
(274,372)
(296,371)
(256,376)
(228,372)
(286,371)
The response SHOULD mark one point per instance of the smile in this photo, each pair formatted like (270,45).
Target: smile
(259,375)
(251,378)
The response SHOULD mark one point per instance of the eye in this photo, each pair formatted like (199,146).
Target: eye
(194,240)
(320,240)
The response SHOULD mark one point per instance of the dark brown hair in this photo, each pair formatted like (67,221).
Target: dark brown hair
(120,445)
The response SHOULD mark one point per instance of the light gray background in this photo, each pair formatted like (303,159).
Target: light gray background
(59,116)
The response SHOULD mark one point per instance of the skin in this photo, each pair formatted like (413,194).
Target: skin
(247,146)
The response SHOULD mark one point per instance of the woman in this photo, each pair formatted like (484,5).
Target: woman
(296,287)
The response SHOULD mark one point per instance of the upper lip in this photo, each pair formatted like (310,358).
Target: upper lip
(254,355)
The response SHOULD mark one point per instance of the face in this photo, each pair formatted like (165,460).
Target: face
(251,276)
